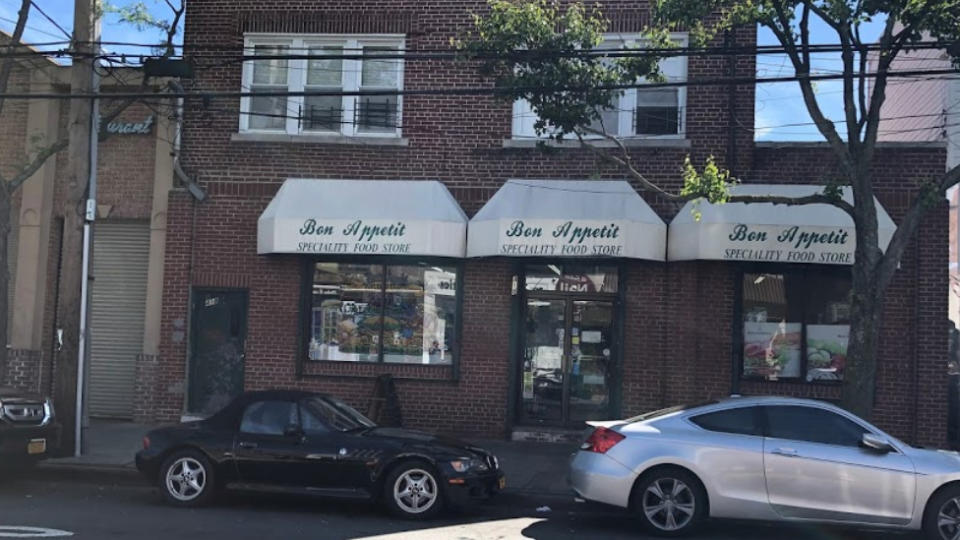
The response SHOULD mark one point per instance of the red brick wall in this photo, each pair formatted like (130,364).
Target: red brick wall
(678,325)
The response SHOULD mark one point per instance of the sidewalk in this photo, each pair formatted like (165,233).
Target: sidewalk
(531,468)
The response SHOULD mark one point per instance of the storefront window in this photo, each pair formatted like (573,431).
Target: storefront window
(574,278)
(383,313)
(795,325)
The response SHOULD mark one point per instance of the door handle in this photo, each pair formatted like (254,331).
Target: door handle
(247,445)
(788,452)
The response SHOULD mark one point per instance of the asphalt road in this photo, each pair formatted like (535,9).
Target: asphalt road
(117,509)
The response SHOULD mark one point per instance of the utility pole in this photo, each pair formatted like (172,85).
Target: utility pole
(67,374)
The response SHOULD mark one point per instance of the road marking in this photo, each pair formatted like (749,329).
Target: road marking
(31,532)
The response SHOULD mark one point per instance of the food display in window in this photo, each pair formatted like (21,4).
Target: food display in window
(826,351)
(771,350)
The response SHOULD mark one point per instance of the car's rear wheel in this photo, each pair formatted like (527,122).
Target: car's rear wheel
(186,479)
(670,501)
(412,490)
(941,521)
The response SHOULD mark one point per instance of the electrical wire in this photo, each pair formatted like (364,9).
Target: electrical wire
(49,18)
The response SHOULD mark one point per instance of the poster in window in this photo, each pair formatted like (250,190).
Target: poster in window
(771,350)
(826,351)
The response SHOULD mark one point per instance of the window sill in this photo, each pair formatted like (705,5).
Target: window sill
(317,139)
(674,142)
(371,370)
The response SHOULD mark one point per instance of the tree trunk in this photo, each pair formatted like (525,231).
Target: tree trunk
(860,371)
(5,227)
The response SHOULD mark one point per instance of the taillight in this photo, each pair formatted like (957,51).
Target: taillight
(146,442)
(601,440)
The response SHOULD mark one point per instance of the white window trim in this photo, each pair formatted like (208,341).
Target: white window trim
(625,123)
(296,78)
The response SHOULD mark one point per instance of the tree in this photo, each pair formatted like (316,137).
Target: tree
(77,183)
(536,51)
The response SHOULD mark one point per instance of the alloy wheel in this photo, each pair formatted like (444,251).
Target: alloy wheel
(668,504)
(948,519)
(415,491)
(186,479)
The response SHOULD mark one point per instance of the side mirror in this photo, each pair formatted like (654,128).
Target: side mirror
(875,443)
(293,430)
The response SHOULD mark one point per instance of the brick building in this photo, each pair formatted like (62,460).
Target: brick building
(135,173)
(558,293)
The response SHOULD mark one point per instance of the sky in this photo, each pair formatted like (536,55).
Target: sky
(779,106)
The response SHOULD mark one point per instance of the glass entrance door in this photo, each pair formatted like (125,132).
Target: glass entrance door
(567,361)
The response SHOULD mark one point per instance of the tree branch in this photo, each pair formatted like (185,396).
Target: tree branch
(38,160)
(624,162)
(909,225)
(802,69)
(817,198)
(15,39)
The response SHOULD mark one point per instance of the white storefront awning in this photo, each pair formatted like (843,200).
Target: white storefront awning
(363,217)
(810,233)
(567,218)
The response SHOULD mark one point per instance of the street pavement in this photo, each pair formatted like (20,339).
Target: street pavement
(118,507)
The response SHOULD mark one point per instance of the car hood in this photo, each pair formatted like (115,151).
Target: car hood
(423,439)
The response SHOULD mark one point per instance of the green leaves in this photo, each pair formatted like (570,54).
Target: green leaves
(554,59)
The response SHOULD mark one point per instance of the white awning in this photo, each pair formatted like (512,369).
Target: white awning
(363,217)
(567,218)
(810,233)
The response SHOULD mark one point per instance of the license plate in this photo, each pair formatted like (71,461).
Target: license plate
(37,446)
(502,483)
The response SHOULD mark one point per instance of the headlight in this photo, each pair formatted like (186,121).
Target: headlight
(463,465)
(47,410)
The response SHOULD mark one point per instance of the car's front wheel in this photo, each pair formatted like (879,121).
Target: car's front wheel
(941,520)
(186,479)
(670,501)
(412,490)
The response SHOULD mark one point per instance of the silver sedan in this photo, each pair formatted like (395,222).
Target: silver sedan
(766,458)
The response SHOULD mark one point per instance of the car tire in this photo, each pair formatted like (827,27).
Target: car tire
(413,490)
(947,501)
(187,479)
(669,502)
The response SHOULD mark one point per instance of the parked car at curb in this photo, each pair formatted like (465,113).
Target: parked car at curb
(29,431)
(766,458)
(313,444)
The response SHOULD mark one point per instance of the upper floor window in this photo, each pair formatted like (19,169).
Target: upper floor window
(635,112)
(330,66)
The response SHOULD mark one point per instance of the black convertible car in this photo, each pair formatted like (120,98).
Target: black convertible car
(301,442)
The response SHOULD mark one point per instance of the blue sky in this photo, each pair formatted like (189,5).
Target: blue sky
(779,107)
(779,104)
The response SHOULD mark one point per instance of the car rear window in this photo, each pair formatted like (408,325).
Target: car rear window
(739,421)
(669,410)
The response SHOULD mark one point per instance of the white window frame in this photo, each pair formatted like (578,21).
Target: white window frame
(625,125)
(296,79)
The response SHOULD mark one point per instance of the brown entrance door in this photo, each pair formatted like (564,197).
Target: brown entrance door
(567,361)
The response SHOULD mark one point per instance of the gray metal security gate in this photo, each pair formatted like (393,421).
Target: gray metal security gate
(118,298)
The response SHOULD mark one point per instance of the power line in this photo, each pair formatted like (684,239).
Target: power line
(49,18)
(33,28)
(466,91)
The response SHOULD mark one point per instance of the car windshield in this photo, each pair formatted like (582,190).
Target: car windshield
(338,415)
(669,410)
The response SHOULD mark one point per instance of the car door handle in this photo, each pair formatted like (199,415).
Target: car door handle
(788,452)
(247,445)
